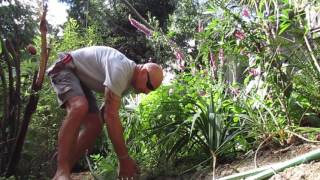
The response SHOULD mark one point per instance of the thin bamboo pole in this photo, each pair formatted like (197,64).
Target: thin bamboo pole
(313,155)
(267,171)
(245,174)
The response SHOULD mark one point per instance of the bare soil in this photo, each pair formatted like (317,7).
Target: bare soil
(82,176)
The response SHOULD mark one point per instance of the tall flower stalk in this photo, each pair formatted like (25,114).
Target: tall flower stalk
(180,57)
(221,56)
(212,64)
(148,32)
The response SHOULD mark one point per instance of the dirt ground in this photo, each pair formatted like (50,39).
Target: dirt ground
(307,171)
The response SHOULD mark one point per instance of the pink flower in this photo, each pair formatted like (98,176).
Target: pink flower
(243,52)
(245,12)
(213,62)
(234,91)
(180,57)
(239,35)
(221,56)
(200,26)
(255,71)
(202,93)
(140,27)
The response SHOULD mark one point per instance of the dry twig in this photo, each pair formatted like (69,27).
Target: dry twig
(260,145)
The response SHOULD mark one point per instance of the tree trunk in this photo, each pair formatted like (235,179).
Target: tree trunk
(30,109)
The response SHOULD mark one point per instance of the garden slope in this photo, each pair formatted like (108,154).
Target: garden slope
(308,171)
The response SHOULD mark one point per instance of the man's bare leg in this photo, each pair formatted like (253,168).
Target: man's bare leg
(92,127)
(77,108)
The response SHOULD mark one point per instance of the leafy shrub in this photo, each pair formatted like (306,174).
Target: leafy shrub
(178,122)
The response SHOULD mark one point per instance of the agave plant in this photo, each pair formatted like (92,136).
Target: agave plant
(213,126)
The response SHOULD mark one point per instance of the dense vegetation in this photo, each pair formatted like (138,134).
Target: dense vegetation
(245,74)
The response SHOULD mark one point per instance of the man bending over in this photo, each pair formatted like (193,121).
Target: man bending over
(100,69)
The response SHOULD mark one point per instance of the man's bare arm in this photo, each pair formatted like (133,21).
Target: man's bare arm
(128,167)
(114,126)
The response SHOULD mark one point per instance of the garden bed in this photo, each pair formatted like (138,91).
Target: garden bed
(308,171)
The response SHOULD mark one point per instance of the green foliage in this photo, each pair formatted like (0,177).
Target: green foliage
(104,166)
(178,122)
(184,20)
(111,18)
(72,39)
(264,80)
(158,110)
(265,104)
(227,108)
(17,22)
(8,178)
(92,35)
(215,122)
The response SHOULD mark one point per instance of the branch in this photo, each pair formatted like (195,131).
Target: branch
(312,54)
(5,100)
(301,137)
(44,50)
(259,147)
(145,22)
(7,59)
(14,116)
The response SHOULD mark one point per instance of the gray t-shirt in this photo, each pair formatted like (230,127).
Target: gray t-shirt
(100,66)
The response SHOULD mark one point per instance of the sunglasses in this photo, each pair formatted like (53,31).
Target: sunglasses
(149,85)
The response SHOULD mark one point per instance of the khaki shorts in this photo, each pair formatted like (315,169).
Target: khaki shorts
(66,85)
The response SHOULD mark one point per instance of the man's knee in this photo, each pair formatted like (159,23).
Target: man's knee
(77,105)
(93,122)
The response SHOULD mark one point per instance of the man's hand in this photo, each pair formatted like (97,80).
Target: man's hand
(129,169)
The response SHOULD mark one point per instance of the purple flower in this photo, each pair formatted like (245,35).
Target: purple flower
(140,27)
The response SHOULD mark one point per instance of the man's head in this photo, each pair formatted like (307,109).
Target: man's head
(147,77)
